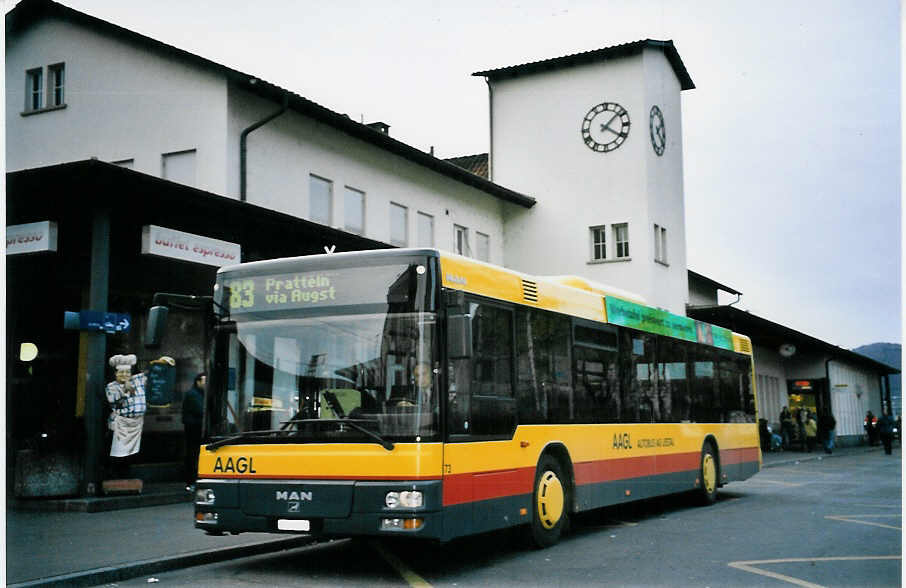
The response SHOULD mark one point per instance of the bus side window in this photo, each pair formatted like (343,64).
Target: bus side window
(485,404)
(531,398)
(673,385)
(640,403)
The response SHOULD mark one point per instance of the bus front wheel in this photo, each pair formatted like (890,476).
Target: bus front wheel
(708,472)
(549,503)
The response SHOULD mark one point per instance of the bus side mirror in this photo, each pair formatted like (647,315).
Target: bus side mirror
(459,336)
(157,326)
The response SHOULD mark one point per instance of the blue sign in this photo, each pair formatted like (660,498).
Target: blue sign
(93,320)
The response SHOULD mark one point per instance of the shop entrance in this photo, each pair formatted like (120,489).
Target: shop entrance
(811,396)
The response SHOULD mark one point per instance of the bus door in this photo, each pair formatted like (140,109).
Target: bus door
(481,411)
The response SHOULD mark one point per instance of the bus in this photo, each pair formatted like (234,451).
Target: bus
(418,393)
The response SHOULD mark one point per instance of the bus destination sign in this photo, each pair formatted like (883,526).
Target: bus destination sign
(655,320)
(301,290)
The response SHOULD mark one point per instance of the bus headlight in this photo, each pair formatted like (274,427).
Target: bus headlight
(404,499)
(204,496)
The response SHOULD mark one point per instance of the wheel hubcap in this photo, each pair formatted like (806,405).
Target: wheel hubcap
(550,499)
(709,473)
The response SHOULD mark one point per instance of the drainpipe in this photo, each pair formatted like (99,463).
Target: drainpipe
(243,140)
(490,129)
(829,387)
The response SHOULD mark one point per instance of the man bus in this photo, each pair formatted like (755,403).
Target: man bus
(414,392)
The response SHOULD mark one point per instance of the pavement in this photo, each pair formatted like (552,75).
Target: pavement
(92,541)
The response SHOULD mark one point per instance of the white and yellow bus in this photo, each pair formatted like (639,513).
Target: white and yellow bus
(419,393)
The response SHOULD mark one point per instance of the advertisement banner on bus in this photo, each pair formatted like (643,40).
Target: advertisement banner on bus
(655,320)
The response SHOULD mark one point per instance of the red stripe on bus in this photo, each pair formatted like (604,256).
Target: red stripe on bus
(473,487)
(734,456)
(315,478)
(634,467)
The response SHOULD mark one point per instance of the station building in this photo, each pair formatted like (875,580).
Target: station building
(135,167)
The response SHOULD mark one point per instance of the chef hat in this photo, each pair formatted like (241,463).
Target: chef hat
(119,361)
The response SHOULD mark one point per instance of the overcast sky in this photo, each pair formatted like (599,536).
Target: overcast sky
(791,138)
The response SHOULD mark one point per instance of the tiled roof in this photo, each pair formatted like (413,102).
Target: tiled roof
(615,51)
(477,164)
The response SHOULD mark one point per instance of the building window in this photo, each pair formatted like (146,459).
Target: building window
(598,243)
(461,240)
(425,230)
(482,247)
(621,239)
(320,192)
(56,74)
(179,166)
(660,244)
(34,89)
(399,217)
(354,211)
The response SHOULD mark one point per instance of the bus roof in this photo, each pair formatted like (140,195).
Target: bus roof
(572,295)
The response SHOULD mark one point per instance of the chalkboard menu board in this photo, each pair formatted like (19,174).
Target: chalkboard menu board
(161,380)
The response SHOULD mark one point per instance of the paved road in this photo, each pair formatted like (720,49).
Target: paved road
(834,522)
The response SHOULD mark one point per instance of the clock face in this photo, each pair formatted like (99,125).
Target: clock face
(605,127)
(658,134)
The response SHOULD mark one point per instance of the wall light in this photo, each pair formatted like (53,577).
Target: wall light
(28,351)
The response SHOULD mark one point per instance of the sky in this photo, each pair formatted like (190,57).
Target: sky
(791,138)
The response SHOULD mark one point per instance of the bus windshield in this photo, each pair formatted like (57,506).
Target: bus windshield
(356,364)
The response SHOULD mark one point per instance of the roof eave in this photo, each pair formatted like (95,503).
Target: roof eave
(615,51)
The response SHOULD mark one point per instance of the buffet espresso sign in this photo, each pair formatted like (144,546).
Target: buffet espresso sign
(174,244)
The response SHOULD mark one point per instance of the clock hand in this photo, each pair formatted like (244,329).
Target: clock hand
(606,126)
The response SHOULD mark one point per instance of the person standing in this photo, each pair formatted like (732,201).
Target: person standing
(870,427)
(830,432)
(801,416)
(885,429)
(811,431)
(786,427)
(192,418)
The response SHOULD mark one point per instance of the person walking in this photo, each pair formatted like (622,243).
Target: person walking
(830,432)
(870,430)
(811,431)
(192,417)
(885,429)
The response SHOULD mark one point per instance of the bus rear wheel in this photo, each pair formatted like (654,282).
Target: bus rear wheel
(708,473)
(549,503)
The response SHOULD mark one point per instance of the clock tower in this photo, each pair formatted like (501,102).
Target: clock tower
(596,138)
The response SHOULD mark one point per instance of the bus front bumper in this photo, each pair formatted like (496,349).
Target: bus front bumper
(320,507)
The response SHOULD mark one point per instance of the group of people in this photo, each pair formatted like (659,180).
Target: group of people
(883,429)
(806,428)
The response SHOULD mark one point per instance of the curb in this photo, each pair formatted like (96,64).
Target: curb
(816,457)
(131,570)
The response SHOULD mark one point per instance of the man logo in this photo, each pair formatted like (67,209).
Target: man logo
(293,495)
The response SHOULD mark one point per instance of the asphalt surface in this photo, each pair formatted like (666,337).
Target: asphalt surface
(90,548)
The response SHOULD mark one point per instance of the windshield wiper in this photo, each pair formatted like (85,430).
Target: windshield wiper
(354,423)
(241,437)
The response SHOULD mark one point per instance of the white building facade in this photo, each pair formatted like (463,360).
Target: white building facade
(597,139)
(114,95)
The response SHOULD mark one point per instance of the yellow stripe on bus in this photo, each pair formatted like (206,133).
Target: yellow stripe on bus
(328,460)
(586,443)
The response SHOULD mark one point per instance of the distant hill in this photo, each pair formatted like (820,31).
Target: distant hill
(892,355)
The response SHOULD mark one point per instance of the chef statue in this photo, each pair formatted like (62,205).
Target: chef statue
(126,395)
